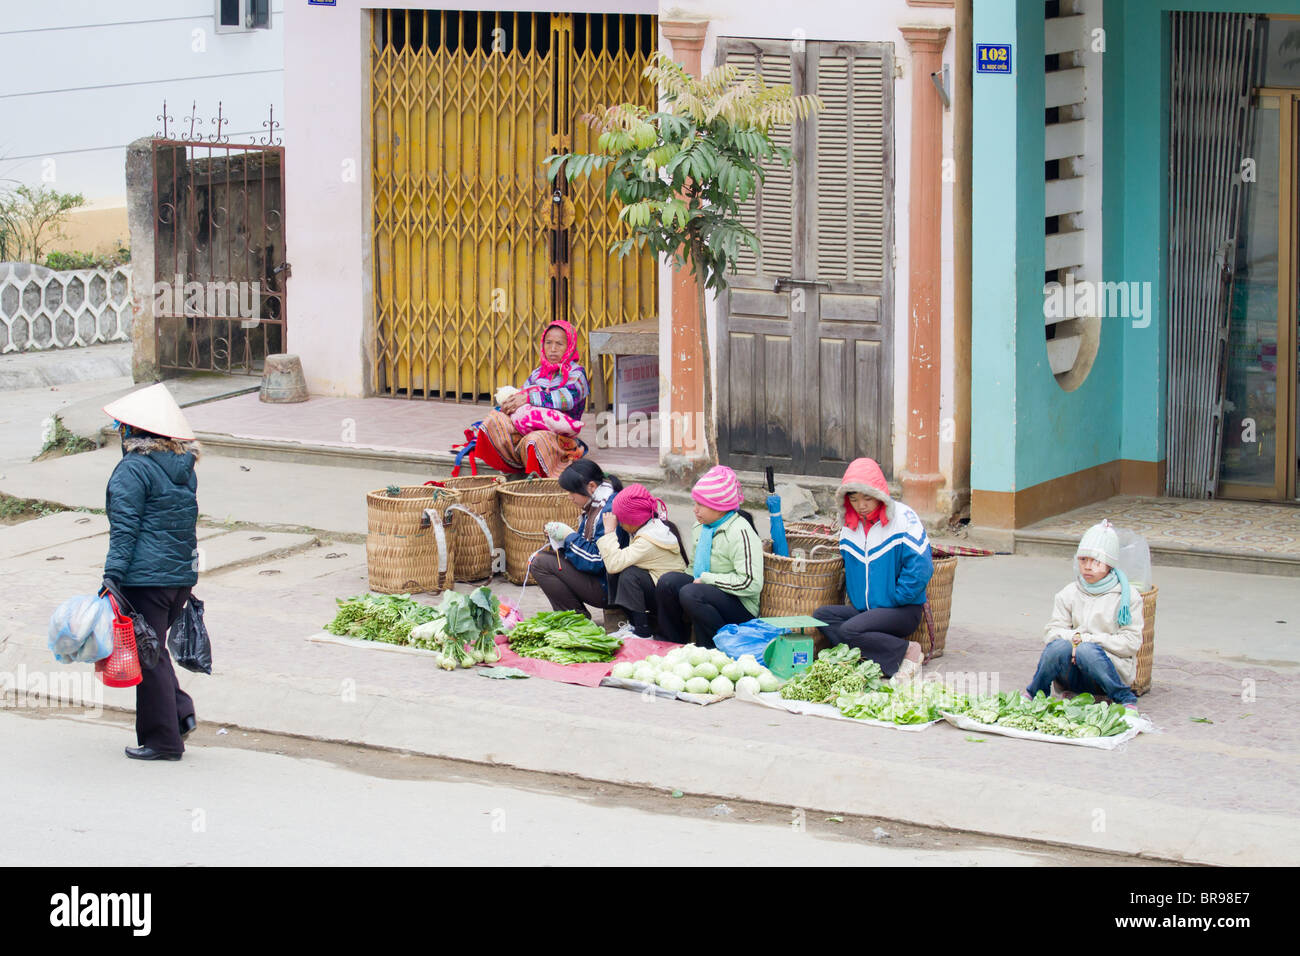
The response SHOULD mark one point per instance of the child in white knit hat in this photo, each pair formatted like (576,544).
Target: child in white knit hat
(1096,628)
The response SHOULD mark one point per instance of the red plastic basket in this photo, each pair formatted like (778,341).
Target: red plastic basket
(122,667)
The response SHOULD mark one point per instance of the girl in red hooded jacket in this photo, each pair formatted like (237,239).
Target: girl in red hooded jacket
(887,565)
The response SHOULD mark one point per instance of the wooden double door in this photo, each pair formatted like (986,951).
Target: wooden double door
(805,366)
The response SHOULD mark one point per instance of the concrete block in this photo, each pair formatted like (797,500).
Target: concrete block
(51,531)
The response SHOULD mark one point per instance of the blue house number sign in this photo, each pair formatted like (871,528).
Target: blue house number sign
(993,58)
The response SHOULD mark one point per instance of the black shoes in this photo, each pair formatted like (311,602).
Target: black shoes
(188,724)
(148,753)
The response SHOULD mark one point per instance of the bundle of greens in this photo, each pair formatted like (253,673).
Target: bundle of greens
(1081,716)
(463,630)
(564,637)
(916,703)
(388,618)
(836,673)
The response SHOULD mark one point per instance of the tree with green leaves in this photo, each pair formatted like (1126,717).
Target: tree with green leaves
(30,219)
(683,173)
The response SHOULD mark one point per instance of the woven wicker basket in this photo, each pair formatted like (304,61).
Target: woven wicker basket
(938,600)
(526,507)
(1142,683)
(811,577)
(402,553)
(823,530)
(478,494)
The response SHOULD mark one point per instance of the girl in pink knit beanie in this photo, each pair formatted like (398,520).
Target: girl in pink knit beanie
(726,574)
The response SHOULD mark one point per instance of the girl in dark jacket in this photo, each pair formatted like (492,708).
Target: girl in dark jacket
(152,561)
(572,573)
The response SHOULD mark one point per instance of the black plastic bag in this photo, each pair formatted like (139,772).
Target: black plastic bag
(188,639)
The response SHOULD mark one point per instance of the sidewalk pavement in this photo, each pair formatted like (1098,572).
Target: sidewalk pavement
(1220,792)
(22,370)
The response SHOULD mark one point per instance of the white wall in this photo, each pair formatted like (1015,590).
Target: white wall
(878,22)
(80,79)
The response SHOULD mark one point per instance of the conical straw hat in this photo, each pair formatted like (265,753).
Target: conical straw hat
(154,410)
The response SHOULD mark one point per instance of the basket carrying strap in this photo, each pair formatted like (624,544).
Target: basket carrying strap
(929,626)
(440,536)
(498,565)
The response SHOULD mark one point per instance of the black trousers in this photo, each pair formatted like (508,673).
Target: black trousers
(705,607)
(160,704)
(637,595)
(567,588)
(880,634)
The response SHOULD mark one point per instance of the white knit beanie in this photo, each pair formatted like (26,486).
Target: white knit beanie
(1100,542)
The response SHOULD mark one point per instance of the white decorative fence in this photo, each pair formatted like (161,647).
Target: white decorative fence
(41,309)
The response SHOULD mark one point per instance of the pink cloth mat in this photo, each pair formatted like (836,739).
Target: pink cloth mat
(586,675)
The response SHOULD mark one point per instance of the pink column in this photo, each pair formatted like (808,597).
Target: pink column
(921,479)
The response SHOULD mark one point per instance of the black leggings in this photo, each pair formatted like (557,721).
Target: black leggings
(160,704)
(880,634)
(636,595)
(705,607)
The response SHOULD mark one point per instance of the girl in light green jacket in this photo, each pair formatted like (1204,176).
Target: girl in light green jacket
(726,574)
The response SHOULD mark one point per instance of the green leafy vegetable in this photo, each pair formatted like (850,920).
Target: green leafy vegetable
(836,673)
(388,618)
(1081,716)
(563,637)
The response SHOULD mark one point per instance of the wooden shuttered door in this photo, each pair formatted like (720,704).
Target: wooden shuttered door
(806,375)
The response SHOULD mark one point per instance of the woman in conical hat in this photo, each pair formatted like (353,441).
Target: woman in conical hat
(153,511)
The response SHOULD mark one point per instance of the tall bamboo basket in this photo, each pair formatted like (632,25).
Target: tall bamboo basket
(403,554)
(478,494)
(825,531)
(812,577)
(938,607)
(526,507)
(1147,653)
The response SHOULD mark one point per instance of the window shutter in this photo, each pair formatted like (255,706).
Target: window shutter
(770,212)
(849,228)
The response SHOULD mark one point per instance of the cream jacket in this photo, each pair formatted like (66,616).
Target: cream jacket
(653,547)
(1093,618)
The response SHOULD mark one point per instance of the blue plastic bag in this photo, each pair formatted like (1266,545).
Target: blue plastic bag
(752,637)
(81,630)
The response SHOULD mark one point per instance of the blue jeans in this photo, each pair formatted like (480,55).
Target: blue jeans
(1092,671)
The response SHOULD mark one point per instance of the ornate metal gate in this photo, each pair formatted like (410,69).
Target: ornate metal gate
(474,252)
(219,251)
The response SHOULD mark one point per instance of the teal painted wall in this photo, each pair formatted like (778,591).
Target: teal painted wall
(1000,162)
(1141,149)
(1025,429)
(1031,430)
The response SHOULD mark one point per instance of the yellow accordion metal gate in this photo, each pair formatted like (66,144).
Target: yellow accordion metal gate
(474,251)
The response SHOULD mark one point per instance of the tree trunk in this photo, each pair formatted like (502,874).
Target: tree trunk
(710,421)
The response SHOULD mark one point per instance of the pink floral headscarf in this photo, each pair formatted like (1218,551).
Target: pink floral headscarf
(550,369)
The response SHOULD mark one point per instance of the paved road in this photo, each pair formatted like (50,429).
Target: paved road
(234,807)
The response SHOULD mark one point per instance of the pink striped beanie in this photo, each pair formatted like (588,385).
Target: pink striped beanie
(719,489)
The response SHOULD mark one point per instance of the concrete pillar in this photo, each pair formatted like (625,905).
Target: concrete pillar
(140,221)
(922,478)
(688,401)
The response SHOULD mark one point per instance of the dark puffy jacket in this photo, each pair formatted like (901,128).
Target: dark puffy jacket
(152,512)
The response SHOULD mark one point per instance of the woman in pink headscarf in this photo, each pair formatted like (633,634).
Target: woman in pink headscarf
(558,383)
(655,548)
